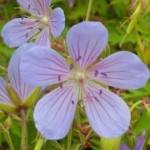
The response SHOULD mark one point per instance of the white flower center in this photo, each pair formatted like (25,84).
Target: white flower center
(45,20)
(79,75)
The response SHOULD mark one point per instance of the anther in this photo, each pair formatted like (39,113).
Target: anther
(104,74)
(96,73)
(96,99)
(72,102)
(100,92)
(78,59)
(59,78)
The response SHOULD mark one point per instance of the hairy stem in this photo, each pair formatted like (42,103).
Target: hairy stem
(39,143)
(24,136)
(7,137)
(89,10)
(135,105)
(69,139)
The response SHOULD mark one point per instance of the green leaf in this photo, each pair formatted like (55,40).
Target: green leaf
(32,98)
(143,123)
(14,97)
(7,108)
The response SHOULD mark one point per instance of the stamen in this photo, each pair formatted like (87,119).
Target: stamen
(96,73)
(104,74)
(100,92)
(80,75)
(60,84)
(71,66)
(78,59)
(72,102)
(59,78)
(96,99)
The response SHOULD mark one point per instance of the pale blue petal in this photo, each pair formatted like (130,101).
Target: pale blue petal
(121,70)
(54,113)
(18,31)
(35,7)
(86,41)
(4,98)
(43,38)
(108,114)
(23,89)
(42,66)
(57,22)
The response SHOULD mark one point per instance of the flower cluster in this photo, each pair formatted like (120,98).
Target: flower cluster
(43,23)
(86,78)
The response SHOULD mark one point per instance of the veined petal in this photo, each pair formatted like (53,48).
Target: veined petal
(57,22)
(108,114)
(43,38)
(18,31)
(4,98)
(54,113)
(122,70)
(42,66)
(36,7)
(23,89)
(86,41)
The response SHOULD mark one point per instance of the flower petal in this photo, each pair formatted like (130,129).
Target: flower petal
(57,22)
(121,70)
(19,30)
(108,114)
(36,7)
(42,66)
(4,98)
(124,147)
(140,142)
(54,113)
(43,38)
(23,89)
(86,41)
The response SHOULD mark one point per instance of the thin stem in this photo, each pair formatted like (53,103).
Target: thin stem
(7,137)
(3,68)
(89,10)
(40,143)
(79,124)
(24,136)
(69,140)
(135,105)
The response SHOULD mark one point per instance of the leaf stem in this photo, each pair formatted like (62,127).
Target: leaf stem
(39,143)
(135,105)
(89,10)
(24,135)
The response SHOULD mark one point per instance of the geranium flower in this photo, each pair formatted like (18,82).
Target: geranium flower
(138,145)
(84,79)
(21,88)
(43,22)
